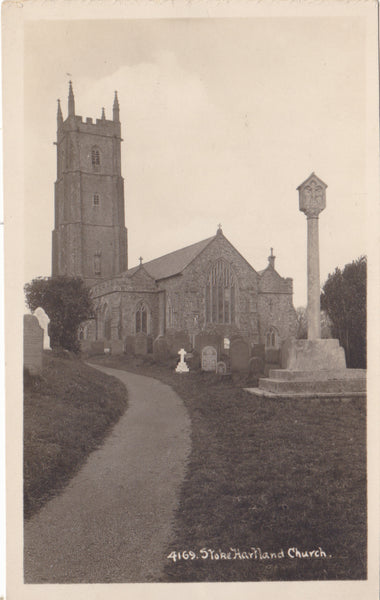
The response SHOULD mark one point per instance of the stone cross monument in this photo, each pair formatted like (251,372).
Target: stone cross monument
(314,367)
(312,200)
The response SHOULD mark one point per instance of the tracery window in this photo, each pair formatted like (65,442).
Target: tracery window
(142,318)
(221,294)
(271,340)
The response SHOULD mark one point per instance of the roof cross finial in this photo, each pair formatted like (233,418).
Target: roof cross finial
(271,251)
(219,230)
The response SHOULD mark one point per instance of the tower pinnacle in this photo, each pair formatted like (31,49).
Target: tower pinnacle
(116,109)
(59,114)
(71,100)
(271,258)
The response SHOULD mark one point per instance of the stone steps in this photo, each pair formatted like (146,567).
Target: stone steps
(310,386)
(322,375)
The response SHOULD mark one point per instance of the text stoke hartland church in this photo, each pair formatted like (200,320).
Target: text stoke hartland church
(205,287)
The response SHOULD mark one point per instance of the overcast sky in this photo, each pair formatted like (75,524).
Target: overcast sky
(222,119)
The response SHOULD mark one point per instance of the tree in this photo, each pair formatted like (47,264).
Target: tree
(66,301)
(344,299)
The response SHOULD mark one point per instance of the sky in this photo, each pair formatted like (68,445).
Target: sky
(221,119)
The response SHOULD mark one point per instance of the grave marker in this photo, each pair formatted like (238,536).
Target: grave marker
(209,358)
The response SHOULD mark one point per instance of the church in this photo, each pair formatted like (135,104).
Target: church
(205,287)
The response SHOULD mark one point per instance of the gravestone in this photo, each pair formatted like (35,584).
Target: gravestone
(43,321)
(259,351)
(205,338)
(33,344)
(221,368)
(177,340)
(193,359)
(97,348)
(141,343)
(239,355)
(117,346)
(160,349)
(129,344)
(85,345)
(182,366)
(256,365)
(209,358)
(273,356)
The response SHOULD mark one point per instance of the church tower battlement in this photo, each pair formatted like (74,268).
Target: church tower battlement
(89,237)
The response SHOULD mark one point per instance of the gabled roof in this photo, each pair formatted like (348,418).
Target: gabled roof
(173,263)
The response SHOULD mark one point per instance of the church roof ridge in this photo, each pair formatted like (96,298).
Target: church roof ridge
(172,263)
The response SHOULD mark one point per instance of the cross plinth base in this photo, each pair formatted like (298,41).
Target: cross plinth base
(312,368)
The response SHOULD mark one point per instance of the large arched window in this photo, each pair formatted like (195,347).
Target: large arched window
(142,318)
(221,294)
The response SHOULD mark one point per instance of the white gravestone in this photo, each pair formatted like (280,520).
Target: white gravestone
(182,366)
(43,321)
(209,358)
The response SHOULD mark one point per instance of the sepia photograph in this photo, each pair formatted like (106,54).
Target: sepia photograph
(191,218)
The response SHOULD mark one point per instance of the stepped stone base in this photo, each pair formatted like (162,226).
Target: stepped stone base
(313,368)
(312,355)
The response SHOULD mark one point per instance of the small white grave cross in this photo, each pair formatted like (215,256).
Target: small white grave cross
(182,366)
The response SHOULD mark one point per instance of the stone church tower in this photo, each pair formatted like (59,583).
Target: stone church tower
(89,237)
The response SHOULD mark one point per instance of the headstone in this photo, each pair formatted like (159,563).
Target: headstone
(85,345)
(273,356)
(177,340)
(259,351)
(221,368)
(141,343)
(205,338)
(182,366)
(129,342)
(43,321)
(239,355)
(97,348)
(193,359)
(209,358)
(160,349)
(256,365)
(33,344)
(117,346)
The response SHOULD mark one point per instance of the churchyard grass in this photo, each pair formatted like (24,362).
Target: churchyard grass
(283,476)
(68,410)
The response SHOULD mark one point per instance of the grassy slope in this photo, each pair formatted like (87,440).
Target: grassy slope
(272,474)
(68,410)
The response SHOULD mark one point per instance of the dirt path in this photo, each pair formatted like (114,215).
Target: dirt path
(114,520)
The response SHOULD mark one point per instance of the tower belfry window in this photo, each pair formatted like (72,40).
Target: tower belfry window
(95,158)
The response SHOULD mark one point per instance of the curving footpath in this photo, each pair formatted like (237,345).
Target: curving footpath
(113,522)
